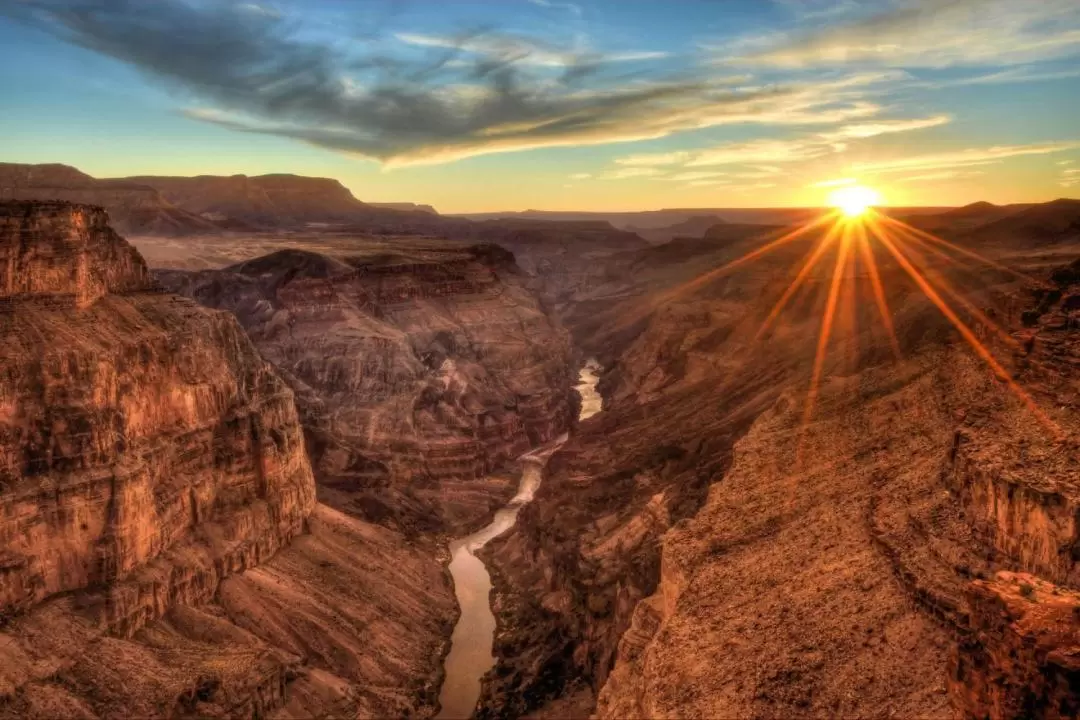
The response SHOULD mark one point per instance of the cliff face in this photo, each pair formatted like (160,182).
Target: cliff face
(1021,657)
(419,368)
(121,453)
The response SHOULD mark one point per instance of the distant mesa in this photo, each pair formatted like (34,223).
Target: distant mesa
(134,208)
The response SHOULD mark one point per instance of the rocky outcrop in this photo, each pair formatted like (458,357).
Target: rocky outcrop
(419,368)
(128,464)
(1021,657)
(408,206)
(57,253)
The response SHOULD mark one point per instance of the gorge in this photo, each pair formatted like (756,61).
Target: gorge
(474,633)
(302,482)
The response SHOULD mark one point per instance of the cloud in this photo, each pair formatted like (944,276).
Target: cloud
(571,7)
(694,176)
(807,147)
(931,33)
(1071,171)
(1018,75)
(440,100)
(882,127)
(1065,162)
(961,158)
(709,183)
(945,175)
(631,172)
(671,158)
(581,176)
(517,49)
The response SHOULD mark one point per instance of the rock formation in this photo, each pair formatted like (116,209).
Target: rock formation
(161,553)
(1021,655)
(264,201)
(416,365)
(162,472)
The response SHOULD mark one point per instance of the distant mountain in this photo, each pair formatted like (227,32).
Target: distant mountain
(406,206)
(134,208)
(966,217)
(1052,222)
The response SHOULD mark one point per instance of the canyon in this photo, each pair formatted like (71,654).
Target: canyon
(235,481)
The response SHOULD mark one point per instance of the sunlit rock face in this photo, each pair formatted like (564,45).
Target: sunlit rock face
(419,367)
(1021,657)
(146,450)
(63,254)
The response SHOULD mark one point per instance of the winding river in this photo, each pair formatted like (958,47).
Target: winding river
(474,635)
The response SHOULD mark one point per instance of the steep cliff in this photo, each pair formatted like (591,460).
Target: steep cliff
(161,552)
(420,367)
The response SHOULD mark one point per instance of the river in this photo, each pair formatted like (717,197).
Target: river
(474,635)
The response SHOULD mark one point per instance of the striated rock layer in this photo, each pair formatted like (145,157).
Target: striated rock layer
(144,445)
(419,368)
(154,497)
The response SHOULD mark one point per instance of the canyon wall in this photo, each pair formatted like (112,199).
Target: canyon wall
(419,369)
(162,551)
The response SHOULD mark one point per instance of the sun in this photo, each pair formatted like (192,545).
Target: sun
(854,200)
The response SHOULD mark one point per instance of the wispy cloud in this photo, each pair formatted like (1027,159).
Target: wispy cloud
(808,147)
(944,175)
(573,8)
(630,172)
(463,96)
(695,176)
(931,33)
(1017,75)
(581,176)
(518,49)
(961,158)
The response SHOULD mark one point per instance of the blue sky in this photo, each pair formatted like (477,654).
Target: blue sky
(475,105)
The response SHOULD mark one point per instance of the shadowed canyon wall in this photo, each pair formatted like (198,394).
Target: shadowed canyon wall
(162,551)
(420,367)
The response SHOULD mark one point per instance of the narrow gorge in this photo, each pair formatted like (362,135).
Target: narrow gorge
(474,633)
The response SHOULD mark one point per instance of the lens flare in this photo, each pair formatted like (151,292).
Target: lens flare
(854,200)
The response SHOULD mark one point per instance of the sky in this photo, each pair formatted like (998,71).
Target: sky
(610,105)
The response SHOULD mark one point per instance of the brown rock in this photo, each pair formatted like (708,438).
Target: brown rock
(1021,656)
